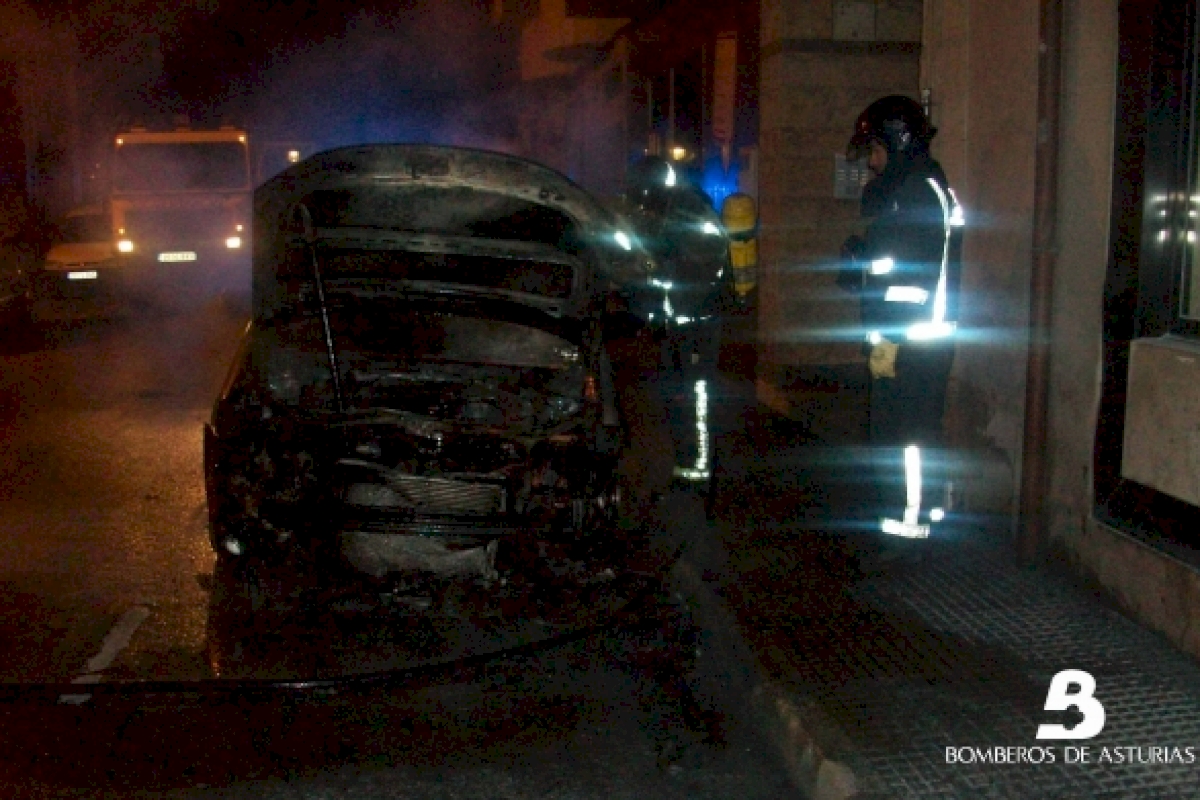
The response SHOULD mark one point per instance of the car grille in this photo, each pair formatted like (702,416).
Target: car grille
(462,531)
(428,495)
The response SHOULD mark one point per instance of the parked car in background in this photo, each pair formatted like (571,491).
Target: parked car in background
(14,287)
(17,256)
(79,276)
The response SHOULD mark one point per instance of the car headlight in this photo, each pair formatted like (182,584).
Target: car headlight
(125,245)
(233,242)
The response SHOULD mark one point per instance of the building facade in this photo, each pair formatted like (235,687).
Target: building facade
(39,131)
(603,84)
(1068,128)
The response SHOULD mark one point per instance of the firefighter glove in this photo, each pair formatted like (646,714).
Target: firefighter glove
(882,361)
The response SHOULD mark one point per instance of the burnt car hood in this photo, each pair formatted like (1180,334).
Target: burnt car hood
(436,360)
(429,257)
(441,200)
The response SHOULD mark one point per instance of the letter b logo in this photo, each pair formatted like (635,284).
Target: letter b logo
(1059,698)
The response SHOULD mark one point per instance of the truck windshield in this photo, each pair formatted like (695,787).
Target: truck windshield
(181,166)
(84,228)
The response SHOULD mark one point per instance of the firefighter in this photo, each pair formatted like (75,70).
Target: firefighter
(691,286)
(678,225)
(906,269)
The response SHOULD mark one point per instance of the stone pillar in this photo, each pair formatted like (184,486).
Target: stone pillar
(823,62)
(980,60)
(1077,357)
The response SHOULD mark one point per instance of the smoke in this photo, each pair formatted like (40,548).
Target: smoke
(430,73)
(321,74)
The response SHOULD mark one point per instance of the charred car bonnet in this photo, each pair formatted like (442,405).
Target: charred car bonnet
(423,391)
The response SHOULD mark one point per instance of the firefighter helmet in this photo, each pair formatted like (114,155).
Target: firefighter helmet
(897,122)
(651,183)
(651,175)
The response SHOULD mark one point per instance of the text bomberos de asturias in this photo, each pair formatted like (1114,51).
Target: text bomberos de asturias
(1122,754)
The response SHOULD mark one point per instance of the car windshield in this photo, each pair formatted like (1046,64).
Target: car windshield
(84,228)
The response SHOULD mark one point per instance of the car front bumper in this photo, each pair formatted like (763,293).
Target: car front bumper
(82,291)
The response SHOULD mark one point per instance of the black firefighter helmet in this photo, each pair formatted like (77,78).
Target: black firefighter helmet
(678,225)
(897,122)
(650,182)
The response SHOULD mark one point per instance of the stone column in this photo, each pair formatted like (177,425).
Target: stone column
(823,62)
(980,60)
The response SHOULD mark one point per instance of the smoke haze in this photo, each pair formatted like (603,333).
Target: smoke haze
(426,73)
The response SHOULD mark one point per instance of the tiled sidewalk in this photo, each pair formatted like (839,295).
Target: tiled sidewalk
(979,642)
(886,671)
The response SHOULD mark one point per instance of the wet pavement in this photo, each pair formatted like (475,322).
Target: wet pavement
(106,576)
(927,677)
(806,663)
(101,491)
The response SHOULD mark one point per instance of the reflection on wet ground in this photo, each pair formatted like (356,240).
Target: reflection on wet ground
(100,489)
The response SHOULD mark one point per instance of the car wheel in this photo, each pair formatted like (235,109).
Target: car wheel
(237,606)
(239,617)
(215,493)
(238,587)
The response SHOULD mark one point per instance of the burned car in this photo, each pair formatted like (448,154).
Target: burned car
(424,396)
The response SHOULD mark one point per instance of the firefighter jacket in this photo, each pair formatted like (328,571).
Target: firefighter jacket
(911,255)
(691,252)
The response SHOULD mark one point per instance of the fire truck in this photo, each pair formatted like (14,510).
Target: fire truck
(181,203)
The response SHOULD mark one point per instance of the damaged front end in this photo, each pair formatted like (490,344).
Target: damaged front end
(423,398)
(436,469)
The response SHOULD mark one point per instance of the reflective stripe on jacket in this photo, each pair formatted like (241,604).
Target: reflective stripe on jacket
(913,254)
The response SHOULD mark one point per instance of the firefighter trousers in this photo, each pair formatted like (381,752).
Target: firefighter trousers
(907,440)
